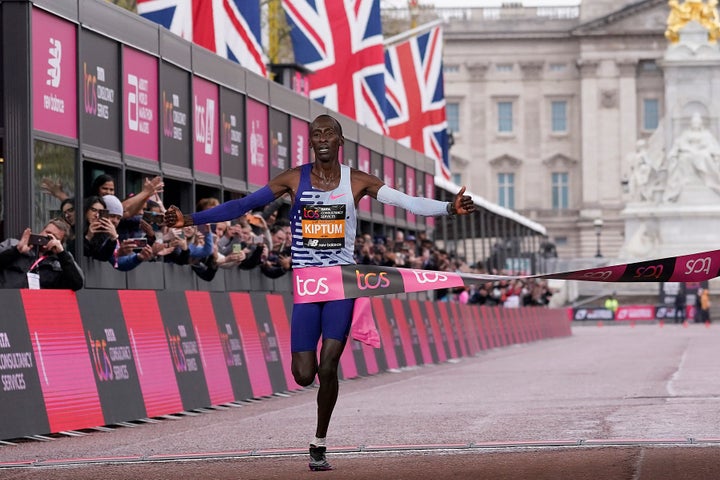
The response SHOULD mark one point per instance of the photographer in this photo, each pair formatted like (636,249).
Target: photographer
(40,261)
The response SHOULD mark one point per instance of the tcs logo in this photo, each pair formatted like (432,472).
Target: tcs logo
(371,280)
(429,276)
(311,286)
(600,276)
(698,265)
(653,271)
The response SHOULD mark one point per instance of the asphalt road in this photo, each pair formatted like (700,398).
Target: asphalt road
(611,402)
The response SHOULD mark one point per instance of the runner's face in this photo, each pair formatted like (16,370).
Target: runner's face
(325,139)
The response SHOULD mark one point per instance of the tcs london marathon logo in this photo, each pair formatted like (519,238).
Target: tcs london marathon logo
(54,76)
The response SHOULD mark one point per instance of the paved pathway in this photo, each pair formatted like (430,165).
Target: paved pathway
(638,403)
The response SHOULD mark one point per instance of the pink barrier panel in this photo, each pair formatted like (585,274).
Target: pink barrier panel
(61,353)
(422,331)
(440,345)
(211,349)
(457,326)
(479,327)
(257,368)
(484,314)
(150,350)
(280,319)
(471,327)
(387,351)
(404,330)
(446,326)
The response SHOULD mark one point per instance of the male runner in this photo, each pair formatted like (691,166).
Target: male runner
(324,193)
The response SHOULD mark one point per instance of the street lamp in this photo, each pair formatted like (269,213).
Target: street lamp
(598,224)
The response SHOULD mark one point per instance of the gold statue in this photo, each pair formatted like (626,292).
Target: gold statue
(705,14)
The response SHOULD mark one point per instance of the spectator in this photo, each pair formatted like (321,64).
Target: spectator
(680,304)
(278,260)
(611,303)
(100,237)
(126,254)
(67,213)
(40,262)
(202,251)
(705,304)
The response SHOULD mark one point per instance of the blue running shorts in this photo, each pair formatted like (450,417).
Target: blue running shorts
(311,320)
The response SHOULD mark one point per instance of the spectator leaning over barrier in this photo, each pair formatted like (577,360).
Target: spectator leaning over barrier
(322,191)
(99,235)
(129,252)
(40,261)
(278,261)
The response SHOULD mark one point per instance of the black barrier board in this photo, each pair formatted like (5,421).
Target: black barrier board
(269,342)
(592,313)
(279,141)
(414,337)
(101,102)
(395,329)
(21,398)
(441,326)
(184,349)
(232,346)
(175,115)
(425,319)
(232,137)
(111,355)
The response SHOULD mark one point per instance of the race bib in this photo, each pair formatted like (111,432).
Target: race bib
(323,226)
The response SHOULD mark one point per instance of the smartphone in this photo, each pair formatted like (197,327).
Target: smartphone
(204,228)
(236,248)
(39,240)
(140,243)
(153,217)
(104,213)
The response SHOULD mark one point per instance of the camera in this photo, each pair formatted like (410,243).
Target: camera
(39,240)
(104,213)
(153,217)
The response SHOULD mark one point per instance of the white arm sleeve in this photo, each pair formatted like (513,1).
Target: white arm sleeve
(416,205)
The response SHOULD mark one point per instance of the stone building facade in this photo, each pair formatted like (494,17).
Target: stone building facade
(547,105)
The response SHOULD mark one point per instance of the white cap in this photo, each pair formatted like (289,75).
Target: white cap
(113,204)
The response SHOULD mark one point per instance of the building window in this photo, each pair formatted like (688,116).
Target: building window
(560,190)
(452,111)
(457,179)
(557,67)
(559,116)
(505,117)
(451,68)
(506,190)
(504,67)
(651,114)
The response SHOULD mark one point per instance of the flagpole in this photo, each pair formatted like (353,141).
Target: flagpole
(411,33)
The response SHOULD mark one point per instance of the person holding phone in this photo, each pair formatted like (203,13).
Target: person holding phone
(38,261)
(322,191)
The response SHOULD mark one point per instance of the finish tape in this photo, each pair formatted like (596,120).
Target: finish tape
(322,284)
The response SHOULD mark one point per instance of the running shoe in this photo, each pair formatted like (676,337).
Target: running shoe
(318,462)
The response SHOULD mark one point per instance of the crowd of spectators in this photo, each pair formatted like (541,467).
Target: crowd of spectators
(422,253)
(126,233)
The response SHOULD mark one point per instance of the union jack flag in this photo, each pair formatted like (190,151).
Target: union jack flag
(230,28)
(415,104)
(341,42)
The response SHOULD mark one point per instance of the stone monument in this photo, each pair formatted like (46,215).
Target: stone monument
(674,180)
